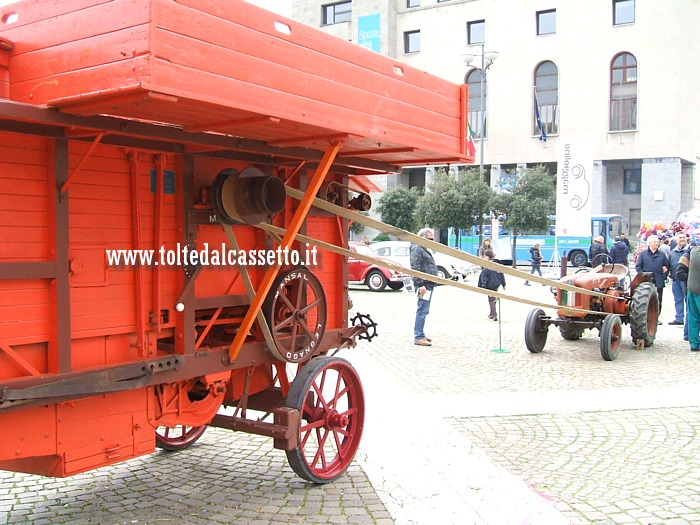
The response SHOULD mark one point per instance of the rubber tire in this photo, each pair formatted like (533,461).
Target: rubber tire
(644,313)
(442,272)
(570,334)
(376,288)
(610,336)
(395,286)
(297,398)
(578,258)
(535,331)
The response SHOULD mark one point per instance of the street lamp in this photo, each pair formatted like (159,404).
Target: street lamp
(487,58)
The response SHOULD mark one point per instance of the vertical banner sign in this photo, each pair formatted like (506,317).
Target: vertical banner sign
(574,177)
(368,31)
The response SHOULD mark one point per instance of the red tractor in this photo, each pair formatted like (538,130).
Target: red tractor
(625,301)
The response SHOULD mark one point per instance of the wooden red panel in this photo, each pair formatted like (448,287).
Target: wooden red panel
(181,61)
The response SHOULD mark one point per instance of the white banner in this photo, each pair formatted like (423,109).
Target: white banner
(574,177)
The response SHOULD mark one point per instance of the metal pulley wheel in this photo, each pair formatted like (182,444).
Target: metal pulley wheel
(295,309)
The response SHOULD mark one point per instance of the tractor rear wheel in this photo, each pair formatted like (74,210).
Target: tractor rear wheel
(610,335)
(536,330)
(644,313)
(328,394)
(570,333)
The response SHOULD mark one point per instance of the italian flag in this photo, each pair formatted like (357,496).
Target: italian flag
(471,149)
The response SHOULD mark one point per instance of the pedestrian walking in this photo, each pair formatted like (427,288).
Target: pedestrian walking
(491,280)
(654,261)
(678,286)
(535,262)
(423,261)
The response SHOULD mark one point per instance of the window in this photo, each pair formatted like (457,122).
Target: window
(337,13)
(623,12)
(476,32)
(547,22)
(411,41)
(623,92)
(475,121)
(547,98)
(412,3)
(633,181)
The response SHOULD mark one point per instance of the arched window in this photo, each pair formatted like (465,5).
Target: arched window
(547,98)
(474,82)
(623,92)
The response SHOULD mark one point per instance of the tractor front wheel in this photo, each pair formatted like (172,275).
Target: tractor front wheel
(328,394)
(644,313)
(536,331)
(610,335)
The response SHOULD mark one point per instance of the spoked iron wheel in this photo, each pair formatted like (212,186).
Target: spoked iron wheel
(295,310)
(328,394)
(179,437)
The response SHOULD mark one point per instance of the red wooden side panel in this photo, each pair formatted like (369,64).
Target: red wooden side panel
(102,214)
(55,42)
(25,315)
(77,436)
(24,203)
(207,64)
(329,269)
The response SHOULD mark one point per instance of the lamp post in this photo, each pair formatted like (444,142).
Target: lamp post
(487,58)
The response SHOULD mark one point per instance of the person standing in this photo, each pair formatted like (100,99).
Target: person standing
(535,261)
(678,287)
(624,239)
(620,252)
(491,280)
(422,260)
(693,298)
(486,245)
(597,248)
(654,261)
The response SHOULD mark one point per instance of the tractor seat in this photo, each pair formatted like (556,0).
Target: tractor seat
(617,269)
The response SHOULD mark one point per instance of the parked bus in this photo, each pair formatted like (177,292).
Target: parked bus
(576,248)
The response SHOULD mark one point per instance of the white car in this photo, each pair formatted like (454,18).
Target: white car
(448,267)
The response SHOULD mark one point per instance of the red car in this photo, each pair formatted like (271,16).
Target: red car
(375,277)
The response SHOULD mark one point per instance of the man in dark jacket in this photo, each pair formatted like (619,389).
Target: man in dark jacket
(423,261)
(491,280)
(596,249)
(620,252)
(678,285)
(654,261)
(692,270)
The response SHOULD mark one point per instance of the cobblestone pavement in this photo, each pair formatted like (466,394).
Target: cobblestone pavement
(223,478)
(474,430)
(606,442)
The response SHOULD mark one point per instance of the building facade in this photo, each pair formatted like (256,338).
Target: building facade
(618,78)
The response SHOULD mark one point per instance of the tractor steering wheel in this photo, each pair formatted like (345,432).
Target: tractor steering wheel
(605,260)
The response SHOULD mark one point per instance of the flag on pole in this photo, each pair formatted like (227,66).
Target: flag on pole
(543,133)
(471,148)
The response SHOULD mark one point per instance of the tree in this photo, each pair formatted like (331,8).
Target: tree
(397,207)
(478,196)
(454,201)
(529,205)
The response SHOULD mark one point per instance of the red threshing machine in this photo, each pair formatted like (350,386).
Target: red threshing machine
(173,127)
